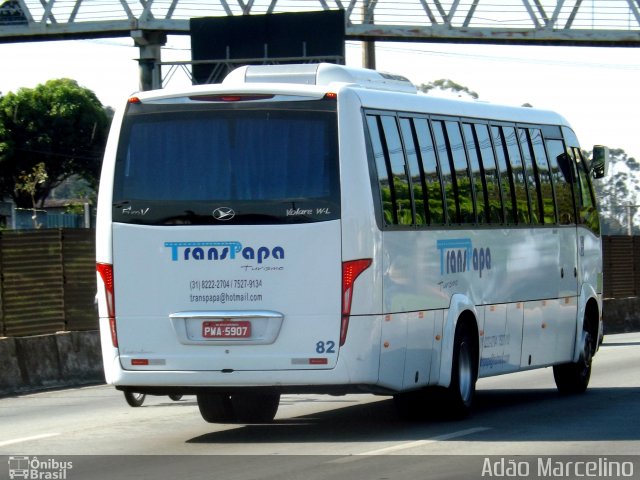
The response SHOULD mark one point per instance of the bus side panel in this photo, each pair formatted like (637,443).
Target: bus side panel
(493,358)
(393,350)
(423,270)
(420,346)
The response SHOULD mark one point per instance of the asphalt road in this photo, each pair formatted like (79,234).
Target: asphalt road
(355,436)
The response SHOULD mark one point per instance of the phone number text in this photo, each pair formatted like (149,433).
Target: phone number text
(218,284)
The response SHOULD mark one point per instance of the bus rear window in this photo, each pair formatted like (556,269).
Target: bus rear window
(177,164)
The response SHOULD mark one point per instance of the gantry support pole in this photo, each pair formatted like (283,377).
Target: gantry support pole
(150,44)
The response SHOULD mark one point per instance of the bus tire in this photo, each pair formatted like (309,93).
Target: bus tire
(574,377)
(175,397)
(215,407)
(461,391)
(134,399)
(255,408)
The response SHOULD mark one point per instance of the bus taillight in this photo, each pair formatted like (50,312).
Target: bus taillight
(106,274)
(350,272)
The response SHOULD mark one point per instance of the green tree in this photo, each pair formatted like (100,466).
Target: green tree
(59,124)
(29,182)
(618,192)
(446,84)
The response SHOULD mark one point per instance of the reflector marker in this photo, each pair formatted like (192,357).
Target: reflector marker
(143,362)
(310,361)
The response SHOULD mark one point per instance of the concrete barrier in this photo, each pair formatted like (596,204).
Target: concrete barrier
(69,359)
(621,315)
(49,361)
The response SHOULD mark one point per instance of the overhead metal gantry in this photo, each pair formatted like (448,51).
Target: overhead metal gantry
(494,21)
(148,22)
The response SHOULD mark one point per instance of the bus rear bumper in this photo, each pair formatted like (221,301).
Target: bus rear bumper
(356,370)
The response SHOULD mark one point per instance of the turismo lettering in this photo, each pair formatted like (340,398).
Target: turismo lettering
(458,255)
(212,251)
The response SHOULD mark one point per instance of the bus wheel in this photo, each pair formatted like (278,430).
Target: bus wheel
(175,397)
(574,377)
(462,389)
(255,408)
(134,399)
(215,407)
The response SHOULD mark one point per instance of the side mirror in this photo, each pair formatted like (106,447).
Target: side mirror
(600,161)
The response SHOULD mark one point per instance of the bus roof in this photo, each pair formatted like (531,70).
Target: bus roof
(376,90)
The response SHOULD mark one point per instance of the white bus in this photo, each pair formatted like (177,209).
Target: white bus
(325,229)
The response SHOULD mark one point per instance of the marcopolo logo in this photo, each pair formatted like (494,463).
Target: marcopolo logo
(34,468)
(212,251)
(458,255)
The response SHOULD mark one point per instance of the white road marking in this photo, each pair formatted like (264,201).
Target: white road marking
(420,443)
(27,439)
(410,445)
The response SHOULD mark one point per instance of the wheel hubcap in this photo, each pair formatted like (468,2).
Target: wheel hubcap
(465,374)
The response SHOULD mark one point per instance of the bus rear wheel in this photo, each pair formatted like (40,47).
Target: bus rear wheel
(238,407)
(574,377)
(134,399)
(255,408)
(461,392)
(215,407)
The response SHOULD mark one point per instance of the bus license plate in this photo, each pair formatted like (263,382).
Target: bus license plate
(239,329)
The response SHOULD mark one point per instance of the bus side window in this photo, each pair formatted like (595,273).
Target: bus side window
(586,198)
(518,175)
(533,182)
(380,160)
(477,175)
(508,193)
(562,181)
(431,168)
(403,204)
(544,176)
(491,174)
(447,174)
(417,176)
(464,187)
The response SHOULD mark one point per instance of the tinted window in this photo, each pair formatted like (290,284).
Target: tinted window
(537,215)
(560,165)
(380,160)
(479,186)
(177,163)
(508,194)
(447,175)
(517,175)
(587,205)
(431,172)
(544,176)
(415,169)
(491,174)
(401,192)
(464,188)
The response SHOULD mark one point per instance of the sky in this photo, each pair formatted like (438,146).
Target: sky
(596,89)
